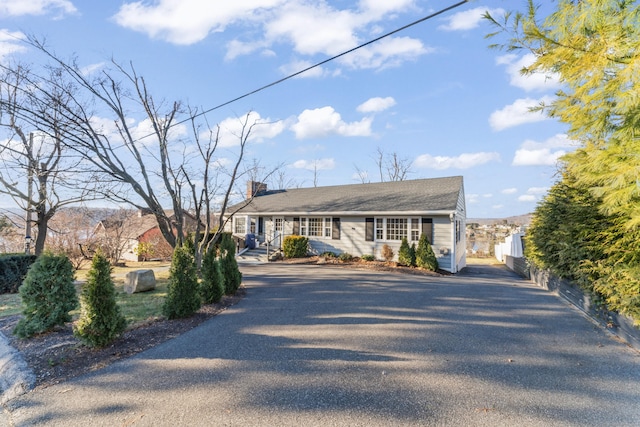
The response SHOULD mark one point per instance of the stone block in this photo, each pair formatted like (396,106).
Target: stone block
(139,281)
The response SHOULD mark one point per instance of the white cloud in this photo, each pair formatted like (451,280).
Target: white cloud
(326,121)
(319,164)
(187,21)
(463,161)
(231,129)
(546,153)
(496,207)
(512,190)
(472,199)
(468,19)
(10,42)
(386,53)
(297,66)
(375,105)
(537,190)
(35,7)
(518,113)
(530,82)
(312,28)
(527,198)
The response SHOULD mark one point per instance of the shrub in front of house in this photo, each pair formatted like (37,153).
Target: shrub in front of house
(404,253)
(328,254)
(212,285)
(183,294)
(425,258)
(48,295)
(345,257)
(367,257)
(100,320)
(387,253)
(412,255)
(295,246)
(228,265)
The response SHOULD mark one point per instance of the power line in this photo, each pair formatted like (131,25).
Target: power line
(290,76)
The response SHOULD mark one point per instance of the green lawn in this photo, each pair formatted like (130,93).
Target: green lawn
(137,308)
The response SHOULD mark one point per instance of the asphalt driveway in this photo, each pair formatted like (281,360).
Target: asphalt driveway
(323,346)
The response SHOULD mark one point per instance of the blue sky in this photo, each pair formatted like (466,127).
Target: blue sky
(434,94)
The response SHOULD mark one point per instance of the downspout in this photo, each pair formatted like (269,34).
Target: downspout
(454,264)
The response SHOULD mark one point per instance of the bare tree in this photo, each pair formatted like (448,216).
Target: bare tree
(149,160)
(392,167)
(35,168)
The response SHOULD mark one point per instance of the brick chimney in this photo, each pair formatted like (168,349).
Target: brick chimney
(255,188)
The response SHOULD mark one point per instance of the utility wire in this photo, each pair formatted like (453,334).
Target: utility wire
(290,76)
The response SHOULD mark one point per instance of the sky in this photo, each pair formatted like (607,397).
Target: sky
(433,94)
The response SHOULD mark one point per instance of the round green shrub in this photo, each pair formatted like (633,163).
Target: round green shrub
(48,295)
(295,246)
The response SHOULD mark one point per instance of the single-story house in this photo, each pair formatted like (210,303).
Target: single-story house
(360,218)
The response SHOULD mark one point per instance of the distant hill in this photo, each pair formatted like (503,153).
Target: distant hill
(517,219)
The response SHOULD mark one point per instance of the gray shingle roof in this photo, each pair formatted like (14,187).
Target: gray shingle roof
(419,195)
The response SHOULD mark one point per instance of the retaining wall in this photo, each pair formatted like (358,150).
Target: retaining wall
(618,324)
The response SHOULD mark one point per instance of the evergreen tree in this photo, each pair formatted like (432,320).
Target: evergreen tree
(404,253)
(412,255)
(425,258)
(100,320)
(212,286)
(183,293)
(228,265)
(48,295)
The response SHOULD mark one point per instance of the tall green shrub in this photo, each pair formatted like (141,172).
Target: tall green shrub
(425,258)
(228,265)
(100,320)
(13,270)
(212,285)
(48,295)
(183,294)
(404,253)
(295,246)
(412,255)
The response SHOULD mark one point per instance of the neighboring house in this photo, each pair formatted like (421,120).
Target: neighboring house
(122,233)
(360,218)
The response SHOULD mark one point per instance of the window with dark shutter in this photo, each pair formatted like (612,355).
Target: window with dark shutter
(368,232)
(296,226)
(427,229)
(335,229)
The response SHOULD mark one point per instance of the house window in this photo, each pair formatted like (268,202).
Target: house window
(315,227)
(415,229)
(240,225)
(396,228)
(379,229)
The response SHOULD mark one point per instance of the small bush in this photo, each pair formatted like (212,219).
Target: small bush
(345,257)
(100,320)
(412,255)
(367,257)
(13,270)
(404,253)
(212,286)
(295,246)
(387,253)
(328,254)
(183,294)
(425,258)
(228,265)
(48,295)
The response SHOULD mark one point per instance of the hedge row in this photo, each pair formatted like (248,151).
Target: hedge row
(13,269)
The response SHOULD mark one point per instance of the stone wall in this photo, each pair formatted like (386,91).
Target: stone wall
(518,265)
(618,324)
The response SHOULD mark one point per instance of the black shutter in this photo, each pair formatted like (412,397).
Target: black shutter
(335,229)
(369,230)
(296,226)
(427,229)
(260,225)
